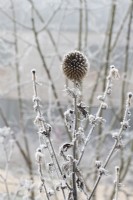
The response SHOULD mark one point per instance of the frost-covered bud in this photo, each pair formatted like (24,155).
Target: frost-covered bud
(98,163)
(75,66)
(125,124)
(130,94)
(63,184)
(101,120)
(92,119)
(114,72)
(46,131)
(117,168)
(50,192)
(115,135)
(109,91)
(38,120)
(100,98)
(129,113)
(33,71)
(51,167)
(80,184)
(103,171)
(120,145)
(39,155)
(104,105)
(5,132)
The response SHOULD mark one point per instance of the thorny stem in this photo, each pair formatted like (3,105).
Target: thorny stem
(74,147)
(113,147)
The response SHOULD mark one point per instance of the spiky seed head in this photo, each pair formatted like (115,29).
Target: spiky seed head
(75,66)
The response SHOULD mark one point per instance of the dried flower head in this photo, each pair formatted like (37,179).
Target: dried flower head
(75,66)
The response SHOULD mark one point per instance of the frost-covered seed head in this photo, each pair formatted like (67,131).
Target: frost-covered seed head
(75,66)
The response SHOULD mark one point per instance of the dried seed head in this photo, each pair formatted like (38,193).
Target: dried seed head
(75,66)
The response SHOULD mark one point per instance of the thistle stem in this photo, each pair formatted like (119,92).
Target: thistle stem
(74,147)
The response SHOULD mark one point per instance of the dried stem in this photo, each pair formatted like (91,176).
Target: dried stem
(120,29)
(124,84)
(109,81)
(46,67)
(86,25)
(42,179)
(113,12)
(75,197)
(122,128)
(20,95)
(117,174)
(80,25)
(44,127)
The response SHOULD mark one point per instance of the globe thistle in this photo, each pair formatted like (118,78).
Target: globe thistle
(75,66)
